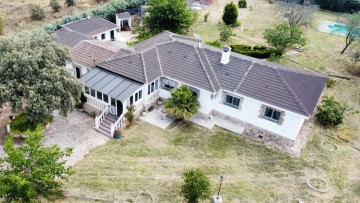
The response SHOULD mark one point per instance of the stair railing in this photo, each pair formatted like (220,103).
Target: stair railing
(118,125)
(101,117)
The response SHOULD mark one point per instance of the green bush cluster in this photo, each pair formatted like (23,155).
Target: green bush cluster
(242,4)
(215,43)
(260,52)
(22,123)
(36,12)
(107,11)
(330,112)
(55,5)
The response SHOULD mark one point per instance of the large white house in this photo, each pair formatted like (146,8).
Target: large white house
(269,97)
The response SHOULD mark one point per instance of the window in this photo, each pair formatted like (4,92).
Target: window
(103,36)
(140,94)
(131,100)
(113,103)
(149,89)
(156,84)
(105,98)
(194,91)
(136,97)
(232,101)
(168,84)
(152,87)
(272,114)
(87,90)
(93,92)
(99,95)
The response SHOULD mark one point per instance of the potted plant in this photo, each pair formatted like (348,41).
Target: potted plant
(160,101)
(143,113)
(117,134)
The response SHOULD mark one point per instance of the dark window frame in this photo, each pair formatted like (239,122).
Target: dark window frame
(232,101)
(99,94)
(140,94)
(272,114)
(103,36)
(92,92)
(87,90)
(131,100)
(107,98)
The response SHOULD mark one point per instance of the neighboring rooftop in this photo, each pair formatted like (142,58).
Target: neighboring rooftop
(91,26)
(89,52)
(181,58)
(123,15)
(69,38)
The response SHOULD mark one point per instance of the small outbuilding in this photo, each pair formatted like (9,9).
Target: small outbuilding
(123,21)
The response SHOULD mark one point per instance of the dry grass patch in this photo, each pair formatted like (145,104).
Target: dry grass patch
(253,171)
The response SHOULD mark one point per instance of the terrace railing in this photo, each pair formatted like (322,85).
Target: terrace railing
(96,103)
(101,117)
(118,125)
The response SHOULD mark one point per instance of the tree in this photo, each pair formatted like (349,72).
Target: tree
(348,6)
(1,25)
(226,32)
(230,14)
(284,35)
(353,29)
(70,3)
(242,4)
(330,112)
(182,104)
(171,15)
(296,14)
(32,170)
(196,186)
(32,75)
(36,12)
(55,5)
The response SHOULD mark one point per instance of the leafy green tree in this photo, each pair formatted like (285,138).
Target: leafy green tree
(1,25)
(353,29)
(55,5)
(32,170)
(70,3)
(226,32)
(330,112)
(171,15)
(33,78)
(196,186)
(242,4)
(182,104)
(284,35)
(230,14)
(36,12)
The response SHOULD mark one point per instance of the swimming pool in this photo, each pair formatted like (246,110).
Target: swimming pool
(332,27)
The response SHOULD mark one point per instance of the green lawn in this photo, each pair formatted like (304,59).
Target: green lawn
(152,160)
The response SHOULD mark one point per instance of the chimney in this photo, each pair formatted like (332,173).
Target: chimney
(200,45)
(225,57)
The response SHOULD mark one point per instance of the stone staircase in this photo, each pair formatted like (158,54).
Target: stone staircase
(106,123)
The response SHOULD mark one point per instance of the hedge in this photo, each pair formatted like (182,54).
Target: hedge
(260,52)
(107,11)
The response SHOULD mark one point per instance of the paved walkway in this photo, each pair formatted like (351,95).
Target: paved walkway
(157,118)
(74,131)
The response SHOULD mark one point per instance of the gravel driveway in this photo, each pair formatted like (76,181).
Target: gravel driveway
(75,131)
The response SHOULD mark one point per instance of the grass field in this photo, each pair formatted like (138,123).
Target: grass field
(16,16)
(152,160)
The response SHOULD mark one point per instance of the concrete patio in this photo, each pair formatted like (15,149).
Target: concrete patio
(158,117)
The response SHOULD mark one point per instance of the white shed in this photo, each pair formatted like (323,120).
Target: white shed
(123,21)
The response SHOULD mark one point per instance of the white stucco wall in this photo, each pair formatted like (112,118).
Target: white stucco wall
(107,36)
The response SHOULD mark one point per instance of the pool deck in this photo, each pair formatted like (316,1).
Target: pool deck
(325,27)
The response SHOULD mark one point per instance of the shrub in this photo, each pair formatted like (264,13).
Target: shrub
(1,25)
(55,5)
(230,14)
(284,35)
(70,3)
(206,16)
(196,186)
(242,4)
(330,82)
(215,43)
(260,52)
(354,68)
(36,12)
(274,57)
(226,32)
(22,123)
(330,112)
(129,115)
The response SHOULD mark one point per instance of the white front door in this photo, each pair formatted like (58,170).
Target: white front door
(112,110)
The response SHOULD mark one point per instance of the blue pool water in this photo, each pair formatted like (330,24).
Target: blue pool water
(338,29)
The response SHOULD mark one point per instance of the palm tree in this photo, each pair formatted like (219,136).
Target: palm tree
(182,104)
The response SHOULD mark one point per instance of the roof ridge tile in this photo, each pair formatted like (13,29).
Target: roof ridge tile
(203,67)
